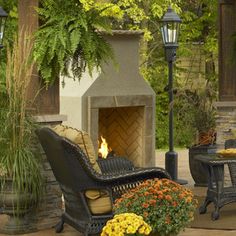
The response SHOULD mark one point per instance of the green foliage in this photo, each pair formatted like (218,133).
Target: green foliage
(17,158)
(199,24)
(70,38)
(10,6)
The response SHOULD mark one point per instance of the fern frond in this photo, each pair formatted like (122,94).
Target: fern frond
(69,36)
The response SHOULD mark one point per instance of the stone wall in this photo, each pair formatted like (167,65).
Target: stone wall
(50,209)
(225,121)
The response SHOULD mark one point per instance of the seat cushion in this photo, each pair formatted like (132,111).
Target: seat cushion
(82,139)
(99,201)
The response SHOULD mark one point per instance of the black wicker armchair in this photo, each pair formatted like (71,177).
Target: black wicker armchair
(75,175)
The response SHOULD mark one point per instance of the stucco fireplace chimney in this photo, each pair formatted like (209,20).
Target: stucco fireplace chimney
(120,104)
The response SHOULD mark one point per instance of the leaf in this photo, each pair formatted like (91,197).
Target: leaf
(74,39)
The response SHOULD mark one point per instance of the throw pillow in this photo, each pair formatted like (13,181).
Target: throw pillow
(82,139)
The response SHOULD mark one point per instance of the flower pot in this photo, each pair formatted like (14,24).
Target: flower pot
(17,223)
(197,171)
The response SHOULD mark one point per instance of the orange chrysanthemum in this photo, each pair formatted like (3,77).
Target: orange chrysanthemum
(160,202)
(145,205)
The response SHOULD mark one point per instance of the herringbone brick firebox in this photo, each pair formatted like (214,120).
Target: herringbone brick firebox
(120,104)
(123,129)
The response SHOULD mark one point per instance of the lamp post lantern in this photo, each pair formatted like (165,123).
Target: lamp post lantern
(170,31)
(3,17)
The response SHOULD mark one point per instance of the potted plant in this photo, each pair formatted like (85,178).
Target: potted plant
(165,205)
(20,176)
(203,121)
(126,224)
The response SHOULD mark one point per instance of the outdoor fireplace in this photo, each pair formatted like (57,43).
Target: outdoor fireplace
(120,104)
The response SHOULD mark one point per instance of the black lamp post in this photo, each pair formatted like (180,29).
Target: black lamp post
(3,17)
(170,31)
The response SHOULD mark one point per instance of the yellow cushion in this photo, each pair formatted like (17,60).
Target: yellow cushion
(93,194)
(59,129)
(99,202)
(82,139)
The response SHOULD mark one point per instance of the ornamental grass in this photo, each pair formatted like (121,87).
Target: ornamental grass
(165,205)
(19,163)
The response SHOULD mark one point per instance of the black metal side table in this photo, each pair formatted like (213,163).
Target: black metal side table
(217,192)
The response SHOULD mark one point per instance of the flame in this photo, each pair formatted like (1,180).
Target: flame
(103,150)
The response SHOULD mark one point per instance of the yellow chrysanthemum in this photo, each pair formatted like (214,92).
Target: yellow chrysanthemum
(130,230)
(126,223)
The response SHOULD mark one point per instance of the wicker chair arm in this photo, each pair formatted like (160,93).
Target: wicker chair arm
(138,174)
(124,182)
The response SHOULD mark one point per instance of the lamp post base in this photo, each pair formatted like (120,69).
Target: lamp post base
(171,164)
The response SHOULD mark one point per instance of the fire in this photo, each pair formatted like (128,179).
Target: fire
(103,150)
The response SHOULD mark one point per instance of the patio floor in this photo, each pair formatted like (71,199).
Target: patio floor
(183,173)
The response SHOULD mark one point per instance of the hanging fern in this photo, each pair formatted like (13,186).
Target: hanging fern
(69,40)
